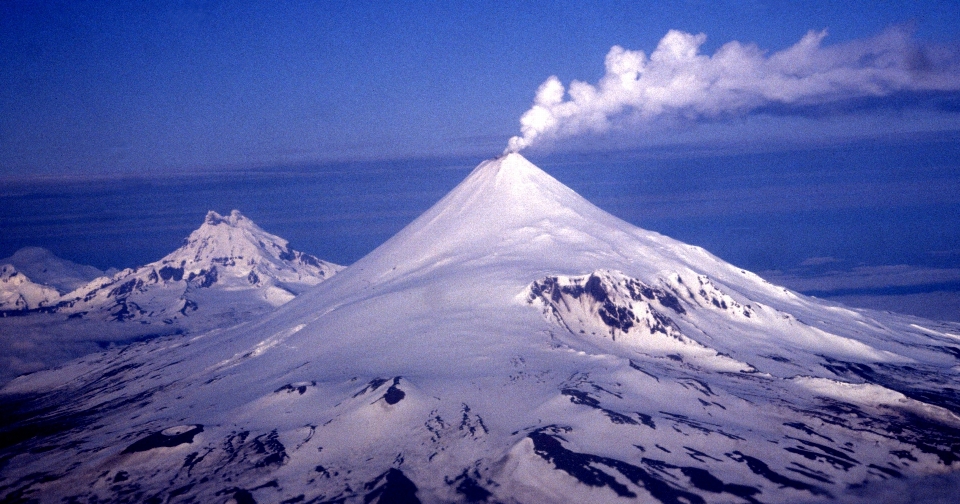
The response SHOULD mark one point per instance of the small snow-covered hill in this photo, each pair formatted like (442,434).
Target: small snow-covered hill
(228,267)
(43,267)
(515,343)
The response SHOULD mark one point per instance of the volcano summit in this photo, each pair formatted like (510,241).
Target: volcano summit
(515,343)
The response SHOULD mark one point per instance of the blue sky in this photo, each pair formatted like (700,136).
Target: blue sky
(133,87)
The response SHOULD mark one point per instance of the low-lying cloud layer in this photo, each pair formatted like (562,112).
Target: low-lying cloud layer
(678,82)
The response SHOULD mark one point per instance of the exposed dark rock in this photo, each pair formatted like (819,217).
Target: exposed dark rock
(166,438)
(954,351)
(126,288)
(704,480)
(705,427)
(471,424)
(188,305)
(370,387)
(300,388)
(806,429)
(646,419)
(125,310)
(204,278)
(391,487)
(171,273)
(469,488)
(580,397)
(613,306)
(394,394)
(273,451)
(586,468)
(240,495)
(895,377)
(288,254)
(809,473)
(760,468)
(636,366)
(834,457)
(310,260)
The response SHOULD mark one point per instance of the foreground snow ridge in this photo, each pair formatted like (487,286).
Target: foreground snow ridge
(514,343)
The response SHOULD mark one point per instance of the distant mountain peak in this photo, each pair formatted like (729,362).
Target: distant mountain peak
(230,254)
(33,254)
(234,246)
(234,241)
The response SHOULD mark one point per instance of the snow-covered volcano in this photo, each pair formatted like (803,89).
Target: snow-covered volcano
(515,343)
(227,267)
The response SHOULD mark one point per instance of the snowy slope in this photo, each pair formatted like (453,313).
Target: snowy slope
(513,344)
(227,267)
(41,266)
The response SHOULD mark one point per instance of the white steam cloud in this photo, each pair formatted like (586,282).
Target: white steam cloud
(677,81)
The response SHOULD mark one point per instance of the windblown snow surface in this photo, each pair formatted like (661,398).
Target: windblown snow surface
(513,344)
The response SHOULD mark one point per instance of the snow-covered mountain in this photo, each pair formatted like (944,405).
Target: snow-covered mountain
(228,271)
(227,267)
(18,292)
(43,267)
(515,343)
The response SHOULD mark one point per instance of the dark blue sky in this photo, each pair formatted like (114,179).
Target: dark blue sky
(93,87)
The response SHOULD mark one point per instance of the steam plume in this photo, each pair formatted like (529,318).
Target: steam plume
(677,81)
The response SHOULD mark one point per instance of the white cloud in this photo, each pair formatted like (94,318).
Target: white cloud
(676,81)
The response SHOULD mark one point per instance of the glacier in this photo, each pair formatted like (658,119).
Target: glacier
(514,343)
